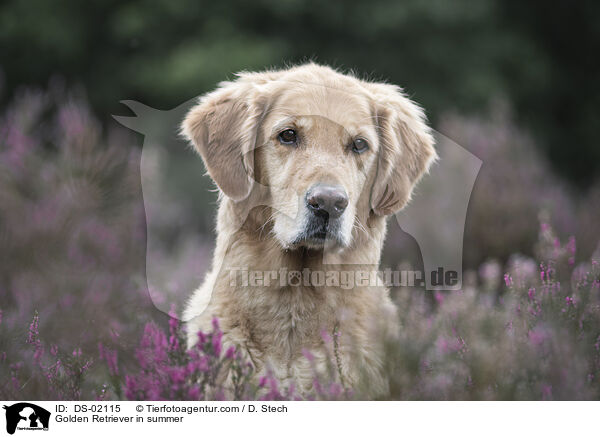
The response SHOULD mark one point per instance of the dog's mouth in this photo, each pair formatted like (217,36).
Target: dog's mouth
(320,233)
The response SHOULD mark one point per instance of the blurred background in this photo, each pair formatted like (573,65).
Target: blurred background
(516,83)
(460,57)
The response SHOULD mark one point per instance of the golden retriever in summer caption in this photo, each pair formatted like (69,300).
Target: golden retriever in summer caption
(309,163)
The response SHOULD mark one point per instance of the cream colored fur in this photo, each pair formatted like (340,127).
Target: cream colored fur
(262,184)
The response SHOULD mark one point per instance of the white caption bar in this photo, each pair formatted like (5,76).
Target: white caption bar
(298,418)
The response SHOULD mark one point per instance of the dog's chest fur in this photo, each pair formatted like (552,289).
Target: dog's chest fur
(293,330)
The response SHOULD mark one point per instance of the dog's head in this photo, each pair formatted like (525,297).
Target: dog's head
(348,149)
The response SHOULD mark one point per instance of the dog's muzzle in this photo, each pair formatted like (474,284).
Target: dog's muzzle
(326,205)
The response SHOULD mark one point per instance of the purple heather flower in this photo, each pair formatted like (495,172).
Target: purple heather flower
(38,354)
(546,392)
(308,355)
(327,339)
(230,353)
(173,342)
(571,248)
(194,393)
(34,330)
(177,375)
(173,321)
(538,336)
(262,381)
(110,357)
(335,390)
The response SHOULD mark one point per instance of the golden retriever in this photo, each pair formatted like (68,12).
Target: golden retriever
(309,162)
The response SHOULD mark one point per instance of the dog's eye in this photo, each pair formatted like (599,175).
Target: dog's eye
(288,137)
(360,145)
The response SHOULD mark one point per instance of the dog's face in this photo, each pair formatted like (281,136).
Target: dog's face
(320,144)
(331,149)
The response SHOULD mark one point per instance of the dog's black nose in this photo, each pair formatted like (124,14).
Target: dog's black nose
(327,201)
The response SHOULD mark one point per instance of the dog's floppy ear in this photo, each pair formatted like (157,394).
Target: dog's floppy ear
(223,127)
(405,151)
